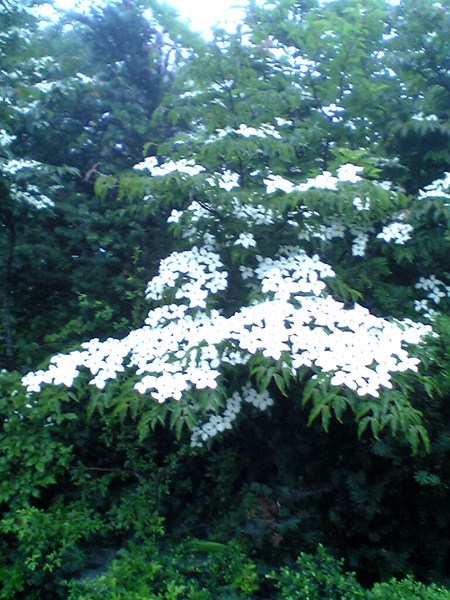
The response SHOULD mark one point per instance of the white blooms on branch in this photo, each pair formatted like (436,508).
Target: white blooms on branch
(325,181)
(359,243)
(6,139)
(181,348)
(291,275)
(185,167)
(218,423)
(246,240)
(263,131)
(226,181)
(221,307)
(31,195)
(13,166)
(435,291)
(399,233)
(439,188)
(192,274)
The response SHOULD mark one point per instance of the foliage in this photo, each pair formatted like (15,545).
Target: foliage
(72,489)
(369,243)
(284,380)
(200,570)
(407,589)
(317,577)
(197,570)
(73,109)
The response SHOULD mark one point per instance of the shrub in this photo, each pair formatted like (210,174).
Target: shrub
(317,576)
(407,589)
(193,570)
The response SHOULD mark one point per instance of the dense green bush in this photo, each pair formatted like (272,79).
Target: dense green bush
(200,570)
(317,576)
(192,570)
(407,589)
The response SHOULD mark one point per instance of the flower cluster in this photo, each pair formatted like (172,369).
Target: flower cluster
(218,423)
(30,195)
(291,275)
(227,180)
(192,274)
(276,183)
(435,290)
(6,139)
(263,131)
(13,166)
(190,230)
(396,232)
(197,212)
(361,350)
(359,242)
(183,166)
(254,214)
(440,188)
(421,117)
(347,173)
(295,321)
(332,111)
(63,369)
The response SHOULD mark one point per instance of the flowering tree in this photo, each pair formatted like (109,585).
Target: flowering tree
(294,274)
(294,226)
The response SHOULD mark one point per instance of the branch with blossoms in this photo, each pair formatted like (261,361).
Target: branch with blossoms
(200,350)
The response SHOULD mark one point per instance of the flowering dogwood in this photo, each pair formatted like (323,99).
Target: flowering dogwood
(291,318)
(254,295)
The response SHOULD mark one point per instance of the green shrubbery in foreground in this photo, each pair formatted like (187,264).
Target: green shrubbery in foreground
(197,570)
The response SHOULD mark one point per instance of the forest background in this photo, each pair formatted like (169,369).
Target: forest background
(225,282)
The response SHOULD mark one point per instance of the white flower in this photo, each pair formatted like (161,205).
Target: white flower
(280,121)
(359,244)
(436,291)
(361,350)
(247,240)
(274,183)
(229,180)
(256,214)
(396,232)
(360,205)
(332,111)
(349,173)
(175,216)
(6,139)
(193,273)
(30,195)
(324,181)
(13,166)
(421,305)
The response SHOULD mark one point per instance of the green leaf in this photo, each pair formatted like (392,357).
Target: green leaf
(281,384)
